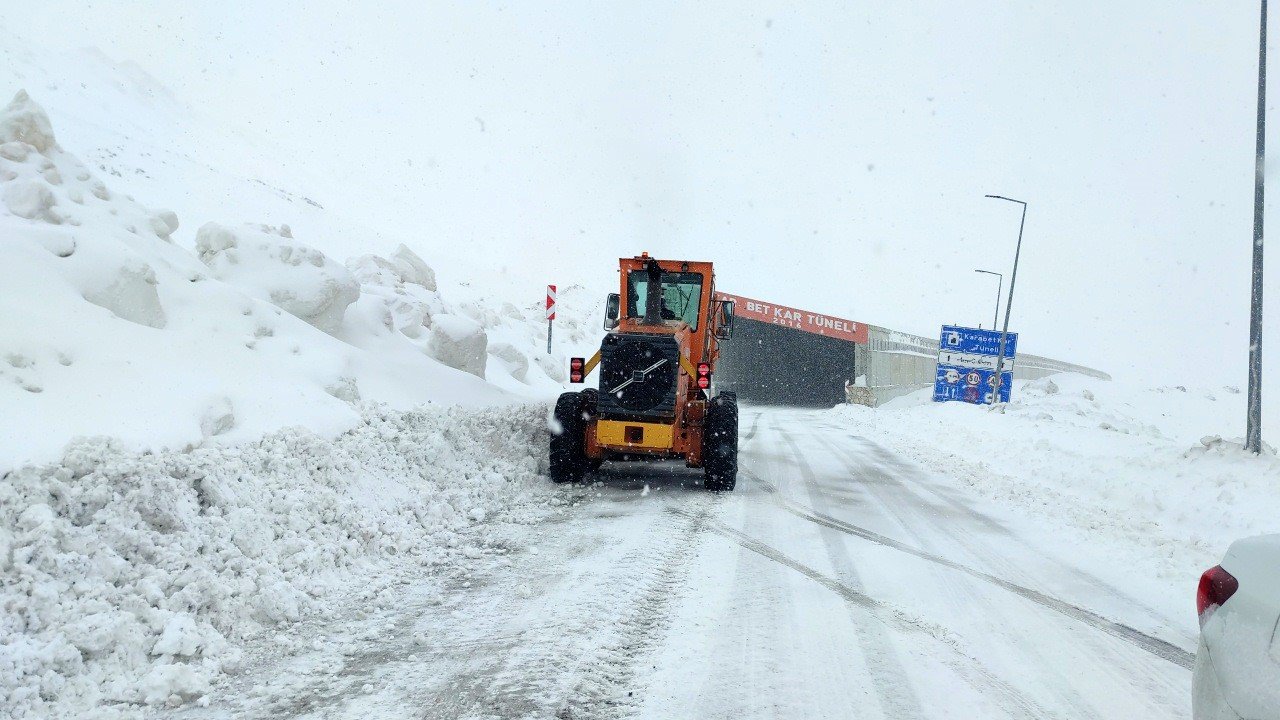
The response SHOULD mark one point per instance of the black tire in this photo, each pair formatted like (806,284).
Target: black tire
(720,443)
(568,458)
(590,404)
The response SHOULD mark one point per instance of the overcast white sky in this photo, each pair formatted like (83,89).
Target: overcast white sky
(832,156)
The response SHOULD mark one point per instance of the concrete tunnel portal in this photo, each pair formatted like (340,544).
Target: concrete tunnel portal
(781,355)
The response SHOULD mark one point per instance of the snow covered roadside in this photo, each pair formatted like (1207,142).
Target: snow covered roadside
(133,578)
(1141,472)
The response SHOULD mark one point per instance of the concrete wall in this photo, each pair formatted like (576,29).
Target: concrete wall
(900,363)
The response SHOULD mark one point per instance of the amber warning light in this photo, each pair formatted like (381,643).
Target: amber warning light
(704,375)
(575,369)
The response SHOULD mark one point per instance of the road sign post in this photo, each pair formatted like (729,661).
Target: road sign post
(551,313)
(967,361)
(1013,280)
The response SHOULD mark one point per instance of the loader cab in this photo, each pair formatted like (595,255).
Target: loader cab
(683,302)
(679,296)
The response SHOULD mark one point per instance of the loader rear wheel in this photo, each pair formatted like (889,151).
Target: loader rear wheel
(720,443)
(568,458)
(590,403)
(590,400)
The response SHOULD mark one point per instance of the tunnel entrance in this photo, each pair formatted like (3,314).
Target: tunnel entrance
(784,356)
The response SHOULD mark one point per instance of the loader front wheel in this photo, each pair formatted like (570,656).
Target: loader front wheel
(568,457)
(720,443)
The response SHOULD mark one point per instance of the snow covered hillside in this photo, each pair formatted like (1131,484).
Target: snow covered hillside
(110,326)
(1146,473)
(214,427)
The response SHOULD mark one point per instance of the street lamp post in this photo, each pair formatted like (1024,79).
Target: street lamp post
(1253,426)
(995,321)
(1008,308)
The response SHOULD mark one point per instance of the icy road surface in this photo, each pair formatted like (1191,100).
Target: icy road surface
(838,581)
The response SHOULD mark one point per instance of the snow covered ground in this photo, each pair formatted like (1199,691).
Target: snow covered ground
(1156,475)
(888,559)
(841,579)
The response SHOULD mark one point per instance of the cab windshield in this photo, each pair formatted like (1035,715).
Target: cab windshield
(681,295)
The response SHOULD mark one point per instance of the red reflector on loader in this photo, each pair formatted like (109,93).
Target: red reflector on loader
(704,375)
(575,369)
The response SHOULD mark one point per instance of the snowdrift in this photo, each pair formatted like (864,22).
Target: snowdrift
(207,438)
(1144,472)
(131,578)
(109,326)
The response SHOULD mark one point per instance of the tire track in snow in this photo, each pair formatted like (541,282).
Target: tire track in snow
(579,658)
(886,614)
(746,667)
(600,680)
(960,593)
(755,425)
(885,457)
(1151,689)
(1160,648)
(888,674)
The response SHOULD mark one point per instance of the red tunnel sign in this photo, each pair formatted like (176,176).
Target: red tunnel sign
(797,319)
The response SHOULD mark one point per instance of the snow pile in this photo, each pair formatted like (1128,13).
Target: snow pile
(1143,471)
(110,324)
(517,337)
(132,578)
(23,123)
(270,265)
(460,343)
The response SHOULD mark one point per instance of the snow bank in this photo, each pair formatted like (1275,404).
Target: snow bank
(133,578)
(459,343)
(270,265)
(1142,471)
(24,122)
(109,325)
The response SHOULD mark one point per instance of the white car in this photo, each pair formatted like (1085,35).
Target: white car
(1237,672)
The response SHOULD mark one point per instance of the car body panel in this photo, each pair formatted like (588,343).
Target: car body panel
(1237,671)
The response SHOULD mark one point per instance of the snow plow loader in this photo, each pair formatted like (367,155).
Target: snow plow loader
(656,397)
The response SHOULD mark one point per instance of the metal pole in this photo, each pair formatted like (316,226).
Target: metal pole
(1004,333)
(999,291)
(995,322)
(1253,427)
(548,336)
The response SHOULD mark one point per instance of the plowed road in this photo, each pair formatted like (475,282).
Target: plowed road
(839,581)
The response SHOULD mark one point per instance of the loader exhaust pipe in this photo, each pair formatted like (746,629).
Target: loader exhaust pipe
(653,293)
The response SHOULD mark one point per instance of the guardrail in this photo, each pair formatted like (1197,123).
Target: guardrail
(898,363)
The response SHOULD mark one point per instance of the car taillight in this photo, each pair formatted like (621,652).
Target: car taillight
(704,375)
(575,369)
(1216,587)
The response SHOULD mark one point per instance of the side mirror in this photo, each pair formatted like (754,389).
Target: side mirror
(612,306)
(724,328)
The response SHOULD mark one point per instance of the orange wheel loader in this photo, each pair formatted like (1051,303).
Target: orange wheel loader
(655,396)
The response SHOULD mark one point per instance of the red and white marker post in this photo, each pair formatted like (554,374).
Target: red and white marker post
(551,313)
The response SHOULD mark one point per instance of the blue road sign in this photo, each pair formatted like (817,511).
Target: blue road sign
(967,365)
